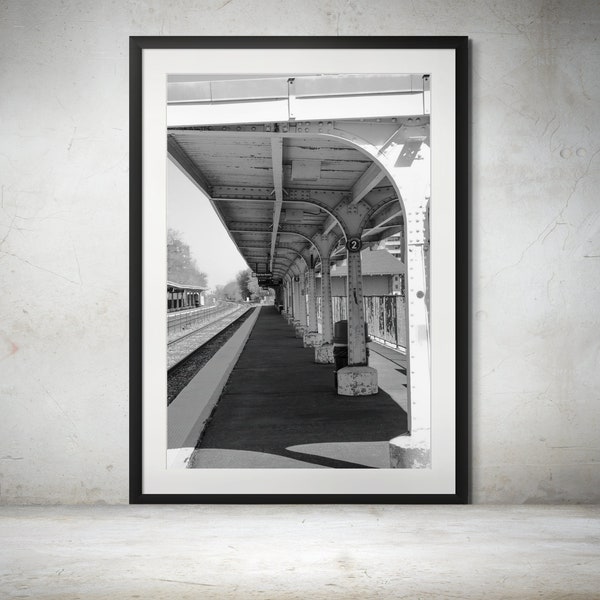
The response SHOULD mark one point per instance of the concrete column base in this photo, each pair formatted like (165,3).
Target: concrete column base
(312,339)
(299,331)
(357,381)
(410,452)
(324,354)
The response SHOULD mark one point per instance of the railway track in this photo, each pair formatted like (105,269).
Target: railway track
(194,319)
(180,348)
(201,328)
(180,370)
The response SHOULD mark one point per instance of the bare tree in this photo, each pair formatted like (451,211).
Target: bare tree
(181,265)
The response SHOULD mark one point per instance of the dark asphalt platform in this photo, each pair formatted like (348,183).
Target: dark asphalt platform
(278,399)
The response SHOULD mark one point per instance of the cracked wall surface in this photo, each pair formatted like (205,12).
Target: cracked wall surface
(64,231)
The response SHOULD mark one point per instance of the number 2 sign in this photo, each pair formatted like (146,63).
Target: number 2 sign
(354,244)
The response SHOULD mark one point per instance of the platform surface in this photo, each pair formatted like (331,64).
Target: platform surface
(280,409)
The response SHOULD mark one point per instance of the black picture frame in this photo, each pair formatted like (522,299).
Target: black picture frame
(459,46)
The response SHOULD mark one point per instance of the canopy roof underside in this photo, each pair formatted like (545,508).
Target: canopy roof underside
(274,183)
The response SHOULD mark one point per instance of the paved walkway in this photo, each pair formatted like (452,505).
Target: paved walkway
(279,409)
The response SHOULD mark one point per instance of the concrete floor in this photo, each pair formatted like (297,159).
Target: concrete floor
(299,552)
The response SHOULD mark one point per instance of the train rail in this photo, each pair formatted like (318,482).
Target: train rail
(192,319)
(183,366)
(204,323)
(180,348)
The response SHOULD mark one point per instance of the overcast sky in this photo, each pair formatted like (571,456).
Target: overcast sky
(191,213)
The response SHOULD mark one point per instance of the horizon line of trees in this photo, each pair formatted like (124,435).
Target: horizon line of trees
(243,287)
(183,269)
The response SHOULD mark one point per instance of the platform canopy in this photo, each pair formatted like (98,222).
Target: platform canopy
(182,287)
(268,154)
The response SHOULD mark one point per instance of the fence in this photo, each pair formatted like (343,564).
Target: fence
(385,317)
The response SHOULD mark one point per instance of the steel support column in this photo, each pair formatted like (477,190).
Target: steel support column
(279,297)
(411,180)
(299,308)
(324,352)
(286,297)
(357,379)
(312,302)
(295,301)
(326,309)
(302,302)
(289,315)
(357,344)
(325,244)
(312,337)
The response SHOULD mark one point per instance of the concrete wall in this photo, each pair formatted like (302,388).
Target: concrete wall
(64,231)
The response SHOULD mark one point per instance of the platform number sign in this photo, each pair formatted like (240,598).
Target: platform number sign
(354,244)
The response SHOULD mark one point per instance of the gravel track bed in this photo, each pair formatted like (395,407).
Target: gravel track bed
(182,373)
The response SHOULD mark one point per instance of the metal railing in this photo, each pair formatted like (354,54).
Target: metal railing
(385,317)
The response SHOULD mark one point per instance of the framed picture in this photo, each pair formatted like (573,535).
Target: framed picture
(299,261)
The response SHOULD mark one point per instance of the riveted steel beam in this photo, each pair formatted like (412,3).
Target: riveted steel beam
(281,246)
(249,227)
(180,157)
(232,193)
(277,161)
(247,192)
(382,217)
(330,225)
(382,127)
(244,200)
(410,175)
(366,182)
(385,212)
(306,231)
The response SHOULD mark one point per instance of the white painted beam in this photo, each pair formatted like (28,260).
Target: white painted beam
(377,230)
(366,182)
(180,158)
(263,111)
(357,107)
(240,90)
(330,225)
(383,217)
(305,109)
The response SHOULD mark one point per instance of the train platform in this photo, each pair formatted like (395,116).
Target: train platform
(279,409)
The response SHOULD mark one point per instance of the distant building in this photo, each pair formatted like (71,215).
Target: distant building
(393,245)
(382,274)
(181,296)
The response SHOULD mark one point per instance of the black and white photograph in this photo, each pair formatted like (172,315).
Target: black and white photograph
(297,275)
(311,337)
